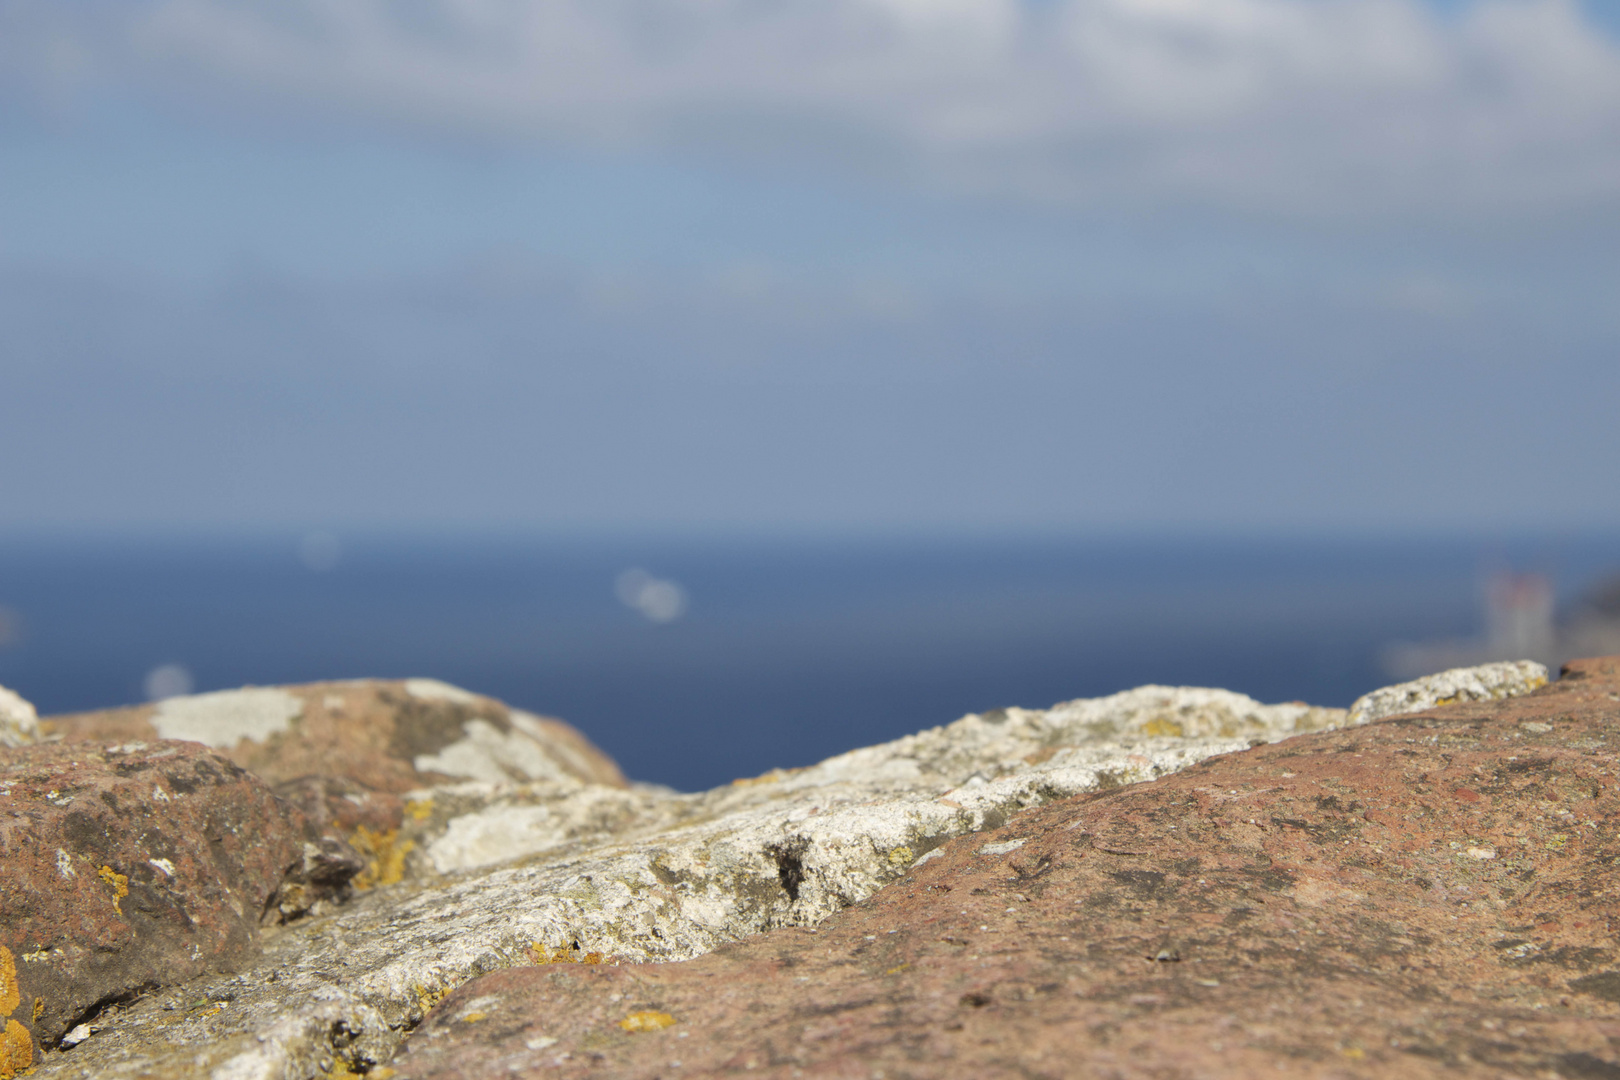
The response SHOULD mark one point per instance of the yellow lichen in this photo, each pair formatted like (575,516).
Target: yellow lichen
(119,883)
(562,954)
(10,998)
(419,810)
(647,1020)
(766,778)
(474,1017)
(39,1009)
(16,1050)
(1161,727)
(341,1070)
(902,856)
(428,996)
(384,853)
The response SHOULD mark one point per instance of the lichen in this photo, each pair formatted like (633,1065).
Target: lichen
(119,883)
(16,1050)
(647,1020)
(10,998)
(562,954)
(384,853)
(428,996)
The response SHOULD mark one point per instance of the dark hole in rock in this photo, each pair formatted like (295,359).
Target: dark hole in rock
(789,869)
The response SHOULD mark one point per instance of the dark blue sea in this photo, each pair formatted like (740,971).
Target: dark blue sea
(695,662)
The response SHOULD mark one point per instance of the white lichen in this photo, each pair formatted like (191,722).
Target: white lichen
(1487,682)
(225,717)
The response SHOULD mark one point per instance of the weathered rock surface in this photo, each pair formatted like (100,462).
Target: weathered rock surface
(500,874)
(348,752)
(127,867)
(1488,682)
(19,726)
(1434,894)
(489,875)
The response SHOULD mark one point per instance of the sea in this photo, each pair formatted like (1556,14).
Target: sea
(698,661)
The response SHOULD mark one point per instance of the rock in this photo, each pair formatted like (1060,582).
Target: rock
(19,726)
(1487,682)
(347,752)
(1433,893)
(502,874)
(128,867)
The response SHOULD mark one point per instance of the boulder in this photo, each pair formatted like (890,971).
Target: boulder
(484,874)
(127,867)
(348,753)
(1487,682)
(19,725)
(1433,893)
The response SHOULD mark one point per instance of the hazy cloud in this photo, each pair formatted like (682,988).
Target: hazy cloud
(1311,107)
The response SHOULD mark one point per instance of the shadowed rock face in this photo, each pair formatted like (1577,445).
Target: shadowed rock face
(1433,894)
(128,867)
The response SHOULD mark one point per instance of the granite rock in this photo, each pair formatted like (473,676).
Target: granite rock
(501,874)
(1487,682)
(127,867)
(1432,894)
(348,752)
(19,726)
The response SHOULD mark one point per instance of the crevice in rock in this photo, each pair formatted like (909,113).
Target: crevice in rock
(789,867)
(97,1008)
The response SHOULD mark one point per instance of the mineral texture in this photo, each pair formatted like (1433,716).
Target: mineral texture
(127,867)
(1431,895)
(492,868)
(1488,682)
(19,726)
(347,752)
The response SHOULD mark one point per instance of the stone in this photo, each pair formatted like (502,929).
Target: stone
(347,752)
(127,867)
(1429,894)
(1487,682)
(19,726)
(482,876)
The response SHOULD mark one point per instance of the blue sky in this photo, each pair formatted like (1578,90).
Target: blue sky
(846,265)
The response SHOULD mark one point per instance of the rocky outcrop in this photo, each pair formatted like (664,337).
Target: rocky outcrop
(1488,682)
(19,726)
(1434,893)
(349,753)
(127,867)
(497,871)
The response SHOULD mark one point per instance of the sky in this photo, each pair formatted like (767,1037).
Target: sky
(810,265)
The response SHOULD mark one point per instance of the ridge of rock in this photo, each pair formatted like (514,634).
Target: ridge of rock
(485,874)
(1432,894)
(1487,682)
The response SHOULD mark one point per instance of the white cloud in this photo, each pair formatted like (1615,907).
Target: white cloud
(1358,107)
